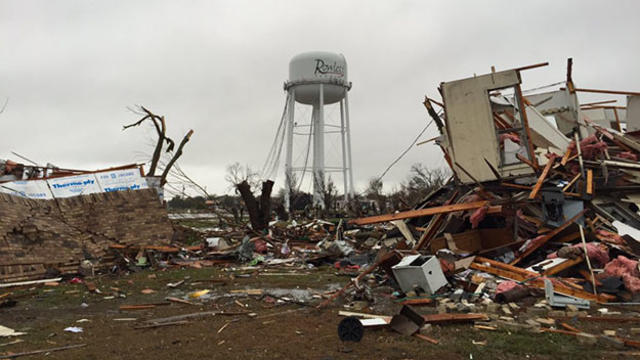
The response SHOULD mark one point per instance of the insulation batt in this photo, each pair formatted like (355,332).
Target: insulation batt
(507,286)
(611,237)
(595,252)
(628,155)
(478,215)
(627,269)
(591,147)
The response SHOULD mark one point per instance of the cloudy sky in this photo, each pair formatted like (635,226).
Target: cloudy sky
(70,70)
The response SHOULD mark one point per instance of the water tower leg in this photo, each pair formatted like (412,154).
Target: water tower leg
(348,129)
(291,103)
(318,151)
(344,156)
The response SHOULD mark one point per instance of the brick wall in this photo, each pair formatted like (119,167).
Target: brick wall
(39,234)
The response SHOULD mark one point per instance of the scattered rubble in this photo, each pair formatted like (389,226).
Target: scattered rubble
(539,224)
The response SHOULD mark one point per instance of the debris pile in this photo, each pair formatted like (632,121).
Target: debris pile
(539,222)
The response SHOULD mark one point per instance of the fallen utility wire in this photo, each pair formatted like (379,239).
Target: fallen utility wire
(406,151)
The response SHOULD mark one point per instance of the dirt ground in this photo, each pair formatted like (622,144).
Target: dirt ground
(269,331)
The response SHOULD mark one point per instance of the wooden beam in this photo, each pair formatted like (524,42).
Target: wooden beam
(569,327)
(565,157)
(35,352)
(542,177)
(515,186)
(525,123)
(449,318)
(563,266)
(533,66)
(598,103)
(573,181)
(533,279)
(611,107)
(617,92)
(425,212)
(547,237)
(426,338)
(526,161)
(615,112)
(434,225)
(590,181)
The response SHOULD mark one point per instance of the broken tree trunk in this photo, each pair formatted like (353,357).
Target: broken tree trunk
(259,212)
(163,178)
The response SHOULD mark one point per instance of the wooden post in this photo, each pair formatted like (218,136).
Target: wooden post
(525,123)
(542,177)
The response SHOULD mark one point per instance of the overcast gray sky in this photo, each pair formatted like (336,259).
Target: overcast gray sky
(71,68)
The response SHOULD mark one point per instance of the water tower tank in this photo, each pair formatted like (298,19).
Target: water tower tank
(308,70)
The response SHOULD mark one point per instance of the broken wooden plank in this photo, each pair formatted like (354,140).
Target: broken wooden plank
(425,212)
(153,326)
(426,338)
(573,181)
(420,301)
(533,279)
(32,282)
(137,307)
(485,327)
(179,301)
(543,176)
(453,318)
(546,238)
(195,316)
(609,319)
(590,181)
(565,157)
(42,351)
(569,327)
(563,266)
(364,315)
(434,225)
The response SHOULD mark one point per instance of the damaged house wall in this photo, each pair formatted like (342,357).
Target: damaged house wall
(472,141)
(633,113)
(563,105)
(36,235)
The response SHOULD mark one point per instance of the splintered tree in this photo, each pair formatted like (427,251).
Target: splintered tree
(244,181)
(161,130)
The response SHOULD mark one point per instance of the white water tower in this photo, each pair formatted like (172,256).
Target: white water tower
(318,79)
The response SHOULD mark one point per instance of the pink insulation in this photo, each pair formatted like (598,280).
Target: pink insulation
(597,253)
(622,266)
(507,286)
(627,269)
(632,283)
(478,215)
(591,147)
(513,137)
(610,237)
(628,155)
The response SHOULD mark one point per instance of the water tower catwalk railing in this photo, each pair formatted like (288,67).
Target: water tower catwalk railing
(318,92)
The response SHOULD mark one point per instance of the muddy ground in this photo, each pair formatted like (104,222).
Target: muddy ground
(271,330)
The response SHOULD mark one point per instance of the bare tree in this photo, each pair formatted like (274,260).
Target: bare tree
(421,181)
(237,173)
(161,130)
(374,192)
(330,192)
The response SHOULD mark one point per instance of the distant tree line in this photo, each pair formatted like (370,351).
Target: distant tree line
(418,184)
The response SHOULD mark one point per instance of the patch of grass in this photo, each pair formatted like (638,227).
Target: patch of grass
(198,223)
(509,345)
